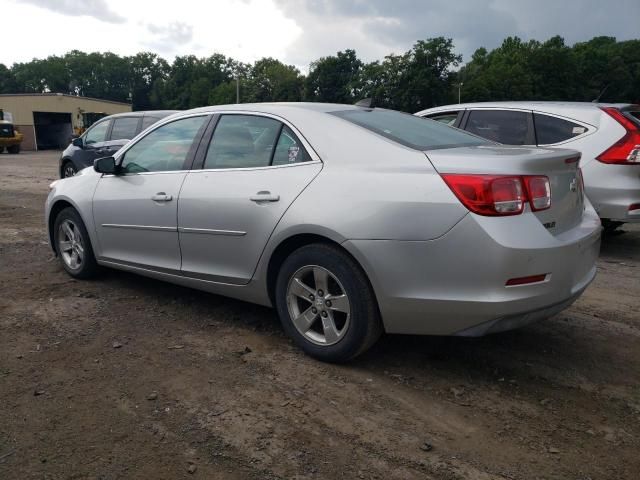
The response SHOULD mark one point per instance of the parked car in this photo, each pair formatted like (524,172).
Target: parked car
(607,135)
(350,221)
(106,137)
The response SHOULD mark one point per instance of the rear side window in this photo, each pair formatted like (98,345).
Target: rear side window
(409,130)
(289,149)
(448,118)
(97,133)
(148,121)
(124,128)
(503,126)
(242,141)
(554,130)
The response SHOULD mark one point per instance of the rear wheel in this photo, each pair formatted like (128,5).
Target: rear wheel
(326,304)
(73,245)
(13,149)
(1,149)
(68,170)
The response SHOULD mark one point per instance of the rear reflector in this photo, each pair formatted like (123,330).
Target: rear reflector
(500,195)
(526,280)
(625,151)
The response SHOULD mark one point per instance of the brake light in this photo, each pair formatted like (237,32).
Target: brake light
(500,195)
(625,151)
(539,192)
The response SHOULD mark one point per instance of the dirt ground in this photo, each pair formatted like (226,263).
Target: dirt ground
(127,377)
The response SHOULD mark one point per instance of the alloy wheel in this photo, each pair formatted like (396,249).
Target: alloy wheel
(318,305)
(68,171)
(70,244)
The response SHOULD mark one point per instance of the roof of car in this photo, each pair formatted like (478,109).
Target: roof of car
(140,113)
(274,107)
(541,105)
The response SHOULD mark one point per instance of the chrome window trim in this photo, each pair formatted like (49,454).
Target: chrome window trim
(248,169)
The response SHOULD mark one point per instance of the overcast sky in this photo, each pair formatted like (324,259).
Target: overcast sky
(296,31)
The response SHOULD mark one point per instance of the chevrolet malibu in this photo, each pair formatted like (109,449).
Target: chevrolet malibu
(350,221)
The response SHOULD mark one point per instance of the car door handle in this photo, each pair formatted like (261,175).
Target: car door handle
(161,197)
(264,197)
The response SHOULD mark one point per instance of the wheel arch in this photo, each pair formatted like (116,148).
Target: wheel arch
(288,245)
(54,211)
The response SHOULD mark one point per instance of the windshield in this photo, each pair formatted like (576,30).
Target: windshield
(409,130)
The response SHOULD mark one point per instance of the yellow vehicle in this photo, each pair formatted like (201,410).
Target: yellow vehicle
(10,137)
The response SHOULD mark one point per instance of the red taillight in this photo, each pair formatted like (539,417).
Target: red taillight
(625,151)
(500,195)
(634,206)
(539,192)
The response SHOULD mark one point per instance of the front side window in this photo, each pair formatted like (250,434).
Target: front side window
(554,130)
(409,130)
(503,126)
(124,128)
(164,149)
(148,121)
(242,141)
(97,133)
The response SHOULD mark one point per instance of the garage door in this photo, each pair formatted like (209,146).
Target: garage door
(53,130)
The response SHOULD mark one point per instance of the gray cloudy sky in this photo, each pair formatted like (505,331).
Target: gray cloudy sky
(298,31)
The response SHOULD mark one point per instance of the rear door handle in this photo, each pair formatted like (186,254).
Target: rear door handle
(264,197)
(161,197)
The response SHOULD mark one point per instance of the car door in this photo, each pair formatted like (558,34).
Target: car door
(507,126)
(135,211)
(93,143)
(253,169)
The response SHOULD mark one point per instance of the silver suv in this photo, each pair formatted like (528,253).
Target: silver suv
(607,135)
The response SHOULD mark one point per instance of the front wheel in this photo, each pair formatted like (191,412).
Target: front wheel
(73,245)
(13,149)
(68,170)
(326,304)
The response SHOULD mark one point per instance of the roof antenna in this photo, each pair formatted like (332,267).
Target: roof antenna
(365,103)
(601,94)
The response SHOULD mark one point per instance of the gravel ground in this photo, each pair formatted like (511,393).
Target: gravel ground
(127,377)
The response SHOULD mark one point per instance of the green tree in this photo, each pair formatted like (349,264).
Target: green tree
(335,78)
(270,80)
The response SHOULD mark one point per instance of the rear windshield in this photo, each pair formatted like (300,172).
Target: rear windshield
(409,130)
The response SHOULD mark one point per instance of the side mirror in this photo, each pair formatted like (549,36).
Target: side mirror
(106,165)
(77,142)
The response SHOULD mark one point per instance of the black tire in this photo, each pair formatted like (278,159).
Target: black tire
(88,267)
(67,168)
(364,327)
(13,149)
(1,149)
(610,227)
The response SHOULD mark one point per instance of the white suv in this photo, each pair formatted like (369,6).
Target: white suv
(607,135)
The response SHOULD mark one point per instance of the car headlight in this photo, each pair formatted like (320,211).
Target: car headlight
(53,184)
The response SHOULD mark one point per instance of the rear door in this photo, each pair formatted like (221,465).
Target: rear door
(253,169)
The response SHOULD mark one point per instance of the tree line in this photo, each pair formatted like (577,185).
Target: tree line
(431,73)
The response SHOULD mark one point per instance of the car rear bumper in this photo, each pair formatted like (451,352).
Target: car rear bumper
(612,189)
(455,285)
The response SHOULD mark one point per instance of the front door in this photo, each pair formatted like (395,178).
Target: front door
(254,168)
(135,212)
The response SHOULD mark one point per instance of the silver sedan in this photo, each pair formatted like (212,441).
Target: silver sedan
(350,221)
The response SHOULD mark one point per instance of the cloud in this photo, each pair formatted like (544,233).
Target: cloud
(97,9)
(375,28)
(169,37)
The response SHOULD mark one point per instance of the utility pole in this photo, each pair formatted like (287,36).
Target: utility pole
(459,88)
(238,88)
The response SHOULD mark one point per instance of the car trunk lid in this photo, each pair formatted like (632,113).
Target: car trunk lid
(560,166)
